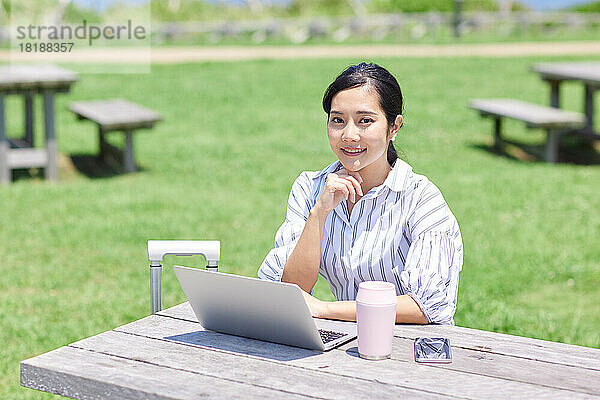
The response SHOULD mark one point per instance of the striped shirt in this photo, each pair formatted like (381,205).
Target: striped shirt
(401,232)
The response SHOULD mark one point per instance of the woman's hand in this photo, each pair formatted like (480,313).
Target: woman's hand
(317,307)
(339,186)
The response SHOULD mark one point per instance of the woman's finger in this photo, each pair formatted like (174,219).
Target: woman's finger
(355,174)
(344,183)
(356,184)
(344,189)
(350,182)
(351,189)
(336,185)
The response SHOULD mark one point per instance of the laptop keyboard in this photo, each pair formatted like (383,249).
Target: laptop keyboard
(328,336)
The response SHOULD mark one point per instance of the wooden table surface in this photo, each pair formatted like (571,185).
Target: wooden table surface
(585,71)
(170,356)
(35,76)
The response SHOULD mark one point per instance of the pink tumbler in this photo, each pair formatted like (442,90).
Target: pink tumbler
(375,317)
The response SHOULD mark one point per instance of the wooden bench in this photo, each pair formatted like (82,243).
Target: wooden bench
(553,120)
(116,115)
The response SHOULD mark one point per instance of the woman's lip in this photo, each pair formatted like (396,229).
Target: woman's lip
(349,154)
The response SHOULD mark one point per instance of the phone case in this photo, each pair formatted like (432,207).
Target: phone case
(433,350)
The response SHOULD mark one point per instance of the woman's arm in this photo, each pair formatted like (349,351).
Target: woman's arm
(407,309)
(302,267)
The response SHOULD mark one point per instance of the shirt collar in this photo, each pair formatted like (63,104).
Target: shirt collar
(333,167)
(396,179)
(398,176)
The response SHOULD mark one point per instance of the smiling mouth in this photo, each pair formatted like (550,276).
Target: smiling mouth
(352,152)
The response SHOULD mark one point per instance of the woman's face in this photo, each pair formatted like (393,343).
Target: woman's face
(358,129)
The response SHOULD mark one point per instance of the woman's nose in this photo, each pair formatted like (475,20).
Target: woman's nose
(350,133)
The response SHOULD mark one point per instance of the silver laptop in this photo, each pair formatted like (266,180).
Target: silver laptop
(258,309)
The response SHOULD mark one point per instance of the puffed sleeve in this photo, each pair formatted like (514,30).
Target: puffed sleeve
(300,202)
(435,257)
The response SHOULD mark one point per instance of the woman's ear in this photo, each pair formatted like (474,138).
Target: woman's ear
(396,127)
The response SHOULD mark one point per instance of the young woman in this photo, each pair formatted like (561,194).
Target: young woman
(368,216)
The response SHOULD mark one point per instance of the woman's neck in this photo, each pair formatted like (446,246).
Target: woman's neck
(374,175)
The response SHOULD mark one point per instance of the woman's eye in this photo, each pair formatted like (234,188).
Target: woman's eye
(336,120)
(366,120)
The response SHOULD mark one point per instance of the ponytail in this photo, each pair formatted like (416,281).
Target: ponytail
(392,156)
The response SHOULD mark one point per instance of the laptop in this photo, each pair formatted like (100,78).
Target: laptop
(254,308)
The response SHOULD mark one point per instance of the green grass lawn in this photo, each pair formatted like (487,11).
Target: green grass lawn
(220,166)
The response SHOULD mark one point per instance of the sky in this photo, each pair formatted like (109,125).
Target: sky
(550,4)
(535,4)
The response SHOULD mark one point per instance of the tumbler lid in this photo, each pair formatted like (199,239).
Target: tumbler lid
(376,293)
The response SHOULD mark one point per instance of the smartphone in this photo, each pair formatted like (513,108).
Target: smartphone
(433,350)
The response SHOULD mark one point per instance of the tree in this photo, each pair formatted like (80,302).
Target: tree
(593,7)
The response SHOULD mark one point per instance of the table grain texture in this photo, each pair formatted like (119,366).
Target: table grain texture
(170,356)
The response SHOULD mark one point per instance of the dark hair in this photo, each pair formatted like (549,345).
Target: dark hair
(384,84)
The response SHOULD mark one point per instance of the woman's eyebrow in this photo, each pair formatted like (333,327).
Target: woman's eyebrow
(358,112)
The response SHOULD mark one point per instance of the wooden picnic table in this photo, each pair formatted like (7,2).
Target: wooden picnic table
(29,80)
(587,73)
(170,356)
